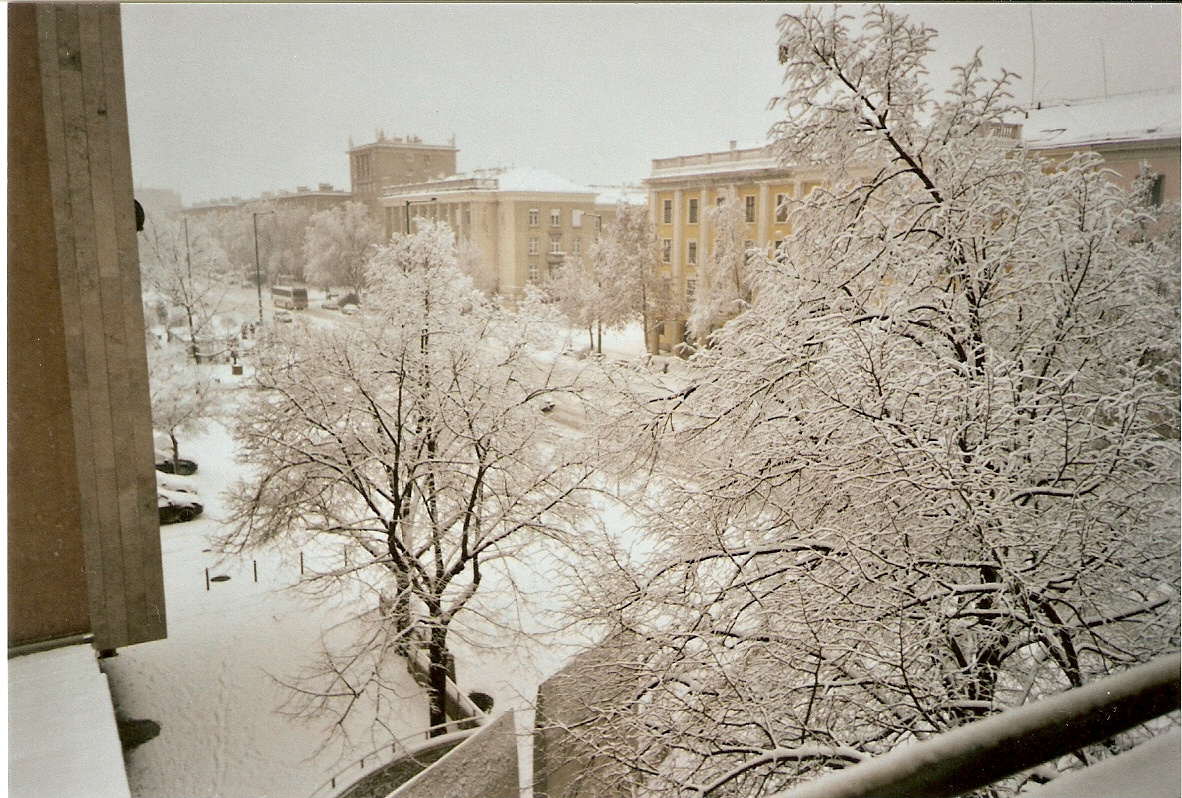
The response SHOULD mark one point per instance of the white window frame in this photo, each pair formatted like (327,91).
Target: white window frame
(667,211)
(691,211)
(555,217)
(666,250)
(555,243)
(533,217)
(749,208)
(781,214)
(691,252)
(533,245)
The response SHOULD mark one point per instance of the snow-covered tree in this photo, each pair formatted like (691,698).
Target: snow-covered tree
(338,244)
(281,231)
(623,260)
(416,442)
(930,472)
(184,400)
(185,267)
(723,288)
(577,294)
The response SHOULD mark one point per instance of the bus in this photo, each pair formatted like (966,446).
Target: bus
(292,297)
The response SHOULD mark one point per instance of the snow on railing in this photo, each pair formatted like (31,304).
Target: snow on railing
(464,717)
(385,755)
(988,750)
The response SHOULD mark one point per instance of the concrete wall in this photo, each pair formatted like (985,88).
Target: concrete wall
(84,538)
(483,766)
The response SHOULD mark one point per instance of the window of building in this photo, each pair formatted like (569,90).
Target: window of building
(533,245)
(468,216)
(691,286)
(576,246)
(666,250)
(532,272)
(667,212)
(576,218)
(1155,190)
(555,244)
(781,207)
(693,211)
(533,217)
(691,252)
(749,207)
(720,200)
(555,217)
(410,157)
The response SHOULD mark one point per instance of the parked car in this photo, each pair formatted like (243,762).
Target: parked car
(174,483)
(176,506)
(330,304)
(283,316)
(165,463)
(348,310)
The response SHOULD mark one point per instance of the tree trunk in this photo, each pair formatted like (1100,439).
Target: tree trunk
(437,680)
(176,452)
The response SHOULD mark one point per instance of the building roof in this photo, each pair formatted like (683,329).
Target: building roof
(505,180)
(1142,117)
(614,195)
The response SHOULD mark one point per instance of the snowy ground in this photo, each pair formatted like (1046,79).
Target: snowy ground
(214,685)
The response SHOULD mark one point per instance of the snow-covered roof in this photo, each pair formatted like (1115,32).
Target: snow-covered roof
(536,180)
(614,195)
(1150,116)
(527,180)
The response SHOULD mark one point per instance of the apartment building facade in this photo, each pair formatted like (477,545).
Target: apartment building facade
(1134,134)
(521,224)
(396,161)
(680,191)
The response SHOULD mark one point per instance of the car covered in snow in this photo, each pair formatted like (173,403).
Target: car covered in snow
(177,506)
(283,316)
(166,464)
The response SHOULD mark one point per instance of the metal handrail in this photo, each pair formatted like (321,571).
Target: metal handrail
(991,749)
(330,787)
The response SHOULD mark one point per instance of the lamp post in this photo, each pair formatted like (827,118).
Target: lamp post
(406,229)
(258,279)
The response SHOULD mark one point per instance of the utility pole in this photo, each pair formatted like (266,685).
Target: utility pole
(258,279)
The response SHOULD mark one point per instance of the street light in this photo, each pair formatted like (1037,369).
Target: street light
(258,279)
(415,202)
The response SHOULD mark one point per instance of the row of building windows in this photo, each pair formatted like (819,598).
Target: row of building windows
(749,209)
(691,249)
(576,217)
(576,245)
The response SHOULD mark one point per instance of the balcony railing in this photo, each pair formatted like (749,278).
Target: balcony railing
(994,748)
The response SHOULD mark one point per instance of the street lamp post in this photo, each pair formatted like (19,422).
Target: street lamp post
(258,278)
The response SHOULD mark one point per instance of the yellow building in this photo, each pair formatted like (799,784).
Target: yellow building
(1131,133)
(682,188)
(519,223)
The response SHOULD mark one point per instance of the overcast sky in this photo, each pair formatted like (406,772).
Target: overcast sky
(237,99)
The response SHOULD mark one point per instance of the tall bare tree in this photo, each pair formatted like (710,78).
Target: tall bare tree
(416,442)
